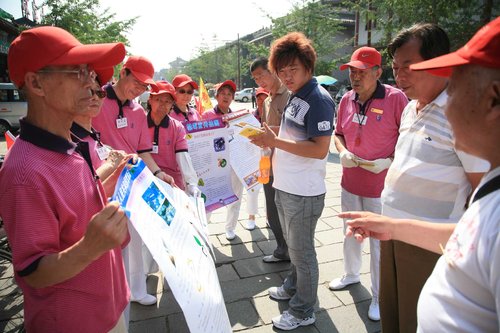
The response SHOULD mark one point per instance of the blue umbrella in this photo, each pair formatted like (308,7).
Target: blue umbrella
(326,80)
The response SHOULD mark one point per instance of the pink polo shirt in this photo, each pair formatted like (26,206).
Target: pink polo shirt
(49,195)
(378,135)
(170,137)
(177,114)
(93,139)
(214,113)
(133,138)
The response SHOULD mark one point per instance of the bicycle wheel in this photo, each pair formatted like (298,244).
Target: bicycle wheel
(11,297)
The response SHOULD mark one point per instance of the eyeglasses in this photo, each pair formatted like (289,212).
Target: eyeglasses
(99,93)
(143,86)
(182,92)
(83,73)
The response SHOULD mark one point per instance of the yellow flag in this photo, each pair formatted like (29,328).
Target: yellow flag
(206,103)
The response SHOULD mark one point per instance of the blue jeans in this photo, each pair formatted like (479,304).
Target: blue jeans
(298,217)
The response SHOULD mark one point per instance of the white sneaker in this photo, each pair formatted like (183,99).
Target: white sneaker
(373,310)
(344,281)
(250,224)
(146,300)
(288,322)
(230,235)
(278,293)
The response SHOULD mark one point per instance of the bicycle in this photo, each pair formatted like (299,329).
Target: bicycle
(11,297)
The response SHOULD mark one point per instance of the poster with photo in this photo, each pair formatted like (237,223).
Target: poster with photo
(173,226)
(244,156)
(209,150)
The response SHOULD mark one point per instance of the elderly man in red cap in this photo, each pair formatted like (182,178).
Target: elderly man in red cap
(123,125)
(463,291)
(66,239)
(365,136)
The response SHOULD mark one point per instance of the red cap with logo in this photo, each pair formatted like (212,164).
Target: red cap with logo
(141,68)
(261,90)
(163,87)
(363,58)
(40,47)
(182,79)
(482,49)
(227,83)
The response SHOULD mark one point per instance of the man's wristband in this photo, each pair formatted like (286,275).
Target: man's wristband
(157,172)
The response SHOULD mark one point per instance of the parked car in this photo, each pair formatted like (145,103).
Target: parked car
(243,95)
(13,106)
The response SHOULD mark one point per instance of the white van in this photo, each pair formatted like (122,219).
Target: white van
(12,107)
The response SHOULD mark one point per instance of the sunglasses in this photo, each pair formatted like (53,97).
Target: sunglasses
(182,91)
(99,93)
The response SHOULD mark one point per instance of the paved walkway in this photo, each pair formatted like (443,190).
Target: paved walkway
(244,278)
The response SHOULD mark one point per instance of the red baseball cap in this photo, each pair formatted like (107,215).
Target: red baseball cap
(104,75)
(363,58)
(227,83)
(261,90)
(40,47)
(482,49)
(182,79)
(163,87)
(141,68)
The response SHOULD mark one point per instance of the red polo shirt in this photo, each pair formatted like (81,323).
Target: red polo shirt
(170,137)
(49,193)
(92,138)
(191,115)
(133,138)
(378,135)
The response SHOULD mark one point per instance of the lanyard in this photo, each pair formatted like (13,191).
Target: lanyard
(362,111)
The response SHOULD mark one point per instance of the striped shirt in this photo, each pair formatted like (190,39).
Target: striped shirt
(427,179)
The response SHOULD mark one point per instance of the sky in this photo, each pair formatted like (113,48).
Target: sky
(167,29)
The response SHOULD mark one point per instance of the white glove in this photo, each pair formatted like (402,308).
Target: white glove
(193,191)
(375,166)
(348,159)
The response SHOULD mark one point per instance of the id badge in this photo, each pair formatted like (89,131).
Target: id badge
(155,149)
(358,119)
(121,122)
(102,152)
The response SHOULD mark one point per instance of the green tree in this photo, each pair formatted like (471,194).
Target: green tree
(459,18)
(85,20)
(320,21)
(214,66)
